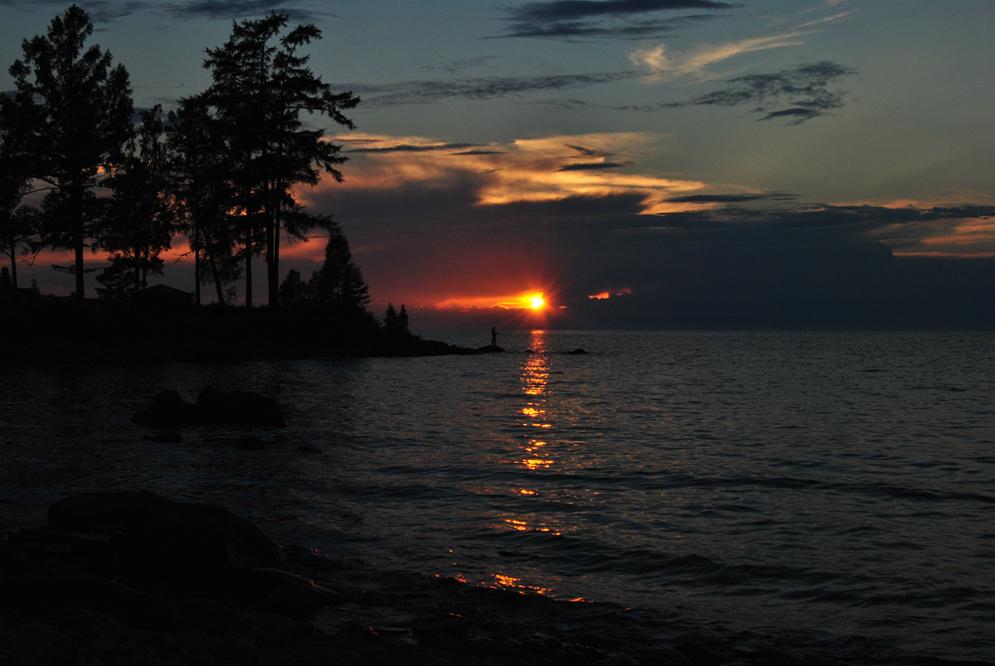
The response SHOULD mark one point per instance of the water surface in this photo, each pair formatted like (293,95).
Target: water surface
(806,486)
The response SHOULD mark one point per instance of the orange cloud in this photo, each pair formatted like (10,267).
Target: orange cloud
(527,170)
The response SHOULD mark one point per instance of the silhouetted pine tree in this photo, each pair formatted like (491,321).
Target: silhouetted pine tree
(390,320)
(260,90)
(139,221)
(339,282)
(81,112)
(204,194)
(402,321)
(18,224)
(293,290)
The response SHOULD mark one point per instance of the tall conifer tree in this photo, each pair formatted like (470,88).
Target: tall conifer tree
(81,112)
(204,193)
(139,222)
(261,87)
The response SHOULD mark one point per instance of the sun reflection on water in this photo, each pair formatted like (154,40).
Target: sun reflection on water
(510,582)
(535,384)
(534,456)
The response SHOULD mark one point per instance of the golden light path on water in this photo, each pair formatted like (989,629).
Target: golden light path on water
(535,455)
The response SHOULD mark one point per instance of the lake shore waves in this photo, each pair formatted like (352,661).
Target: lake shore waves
(826,495)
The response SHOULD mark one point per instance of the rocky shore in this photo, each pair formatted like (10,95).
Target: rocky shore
(135,578)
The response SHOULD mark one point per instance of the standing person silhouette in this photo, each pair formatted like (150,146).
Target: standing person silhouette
(493,336)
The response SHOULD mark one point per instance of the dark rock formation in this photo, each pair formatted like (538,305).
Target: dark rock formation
(575,351)
(157,537)
(241,408)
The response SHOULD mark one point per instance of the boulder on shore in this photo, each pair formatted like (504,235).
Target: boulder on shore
(164,544)
(242,408)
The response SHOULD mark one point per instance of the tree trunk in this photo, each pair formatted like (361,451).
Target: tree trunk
(275,285)
(13,266)
(138,269)
(196,266)
(217,279)
(272,281)
(248,268)
(78,243)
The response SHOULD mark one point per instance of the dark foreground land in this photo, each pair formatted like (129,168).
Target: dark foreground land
(134,578)
(40,335)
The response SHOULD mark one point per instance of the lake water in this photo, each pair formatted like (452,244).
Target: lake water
(832,492)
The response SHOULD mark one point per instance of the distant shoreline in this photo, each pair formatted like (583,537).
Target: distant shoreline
(49,335)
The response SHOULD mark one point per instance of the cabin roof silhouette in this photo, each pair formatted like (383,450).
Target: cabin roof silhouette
(162,296)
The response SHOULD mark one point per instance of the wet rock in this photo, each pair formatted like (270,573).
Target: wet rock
(36,640)
(294,602)
(533,646)
(43,596)
(664,657)
(242,408)
(248,443)
(376,655)
(12,560)
(697,655)
(230,650)
(451,625)
(207,615)
(575,352)
(84,627)
(89,553)
(441,642)
(39,552)
(173,547)
(355,636)
(620,660)
(165,437)
(134,608)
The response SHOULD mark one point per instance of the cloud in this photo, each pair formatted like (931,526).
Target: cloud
(106,11)
(803,91)
(593,166)
(236,9)
(412,148)
(666,67)
(533,170)
(796,94)
(731,198)
(481,88)
(587,19)
(100,11)
(453,67)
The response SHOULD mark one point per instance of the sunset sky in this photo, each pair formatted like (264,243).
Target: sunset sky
(639,163)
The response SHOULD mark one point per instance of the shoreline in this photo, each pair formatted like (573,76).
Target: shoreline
(39,336)
(79,590)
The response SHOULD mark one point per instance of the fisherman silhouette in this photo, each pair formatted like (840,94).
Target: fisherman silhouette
(493,336)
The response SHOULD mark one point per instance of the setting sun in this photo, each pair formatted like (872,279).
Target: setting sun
(537,302)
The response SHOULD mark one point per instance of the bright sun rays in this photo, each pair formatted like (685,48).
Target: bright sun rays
(537,302)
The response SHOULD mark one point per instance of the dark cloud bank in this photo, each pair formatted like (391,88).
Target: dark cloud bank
(794,95)
(616,19)
(106,11)
(726,268)
(479,88)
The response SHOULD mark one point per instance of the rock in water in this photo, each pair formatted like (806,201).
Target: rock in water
(242,408)
(163,543)
(239,408)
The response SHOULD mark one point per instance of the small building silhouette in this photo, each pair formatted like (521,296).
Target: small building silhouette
(162,298)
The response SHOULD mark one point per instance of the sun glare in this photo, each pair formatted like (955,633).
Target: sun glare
(537,302)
